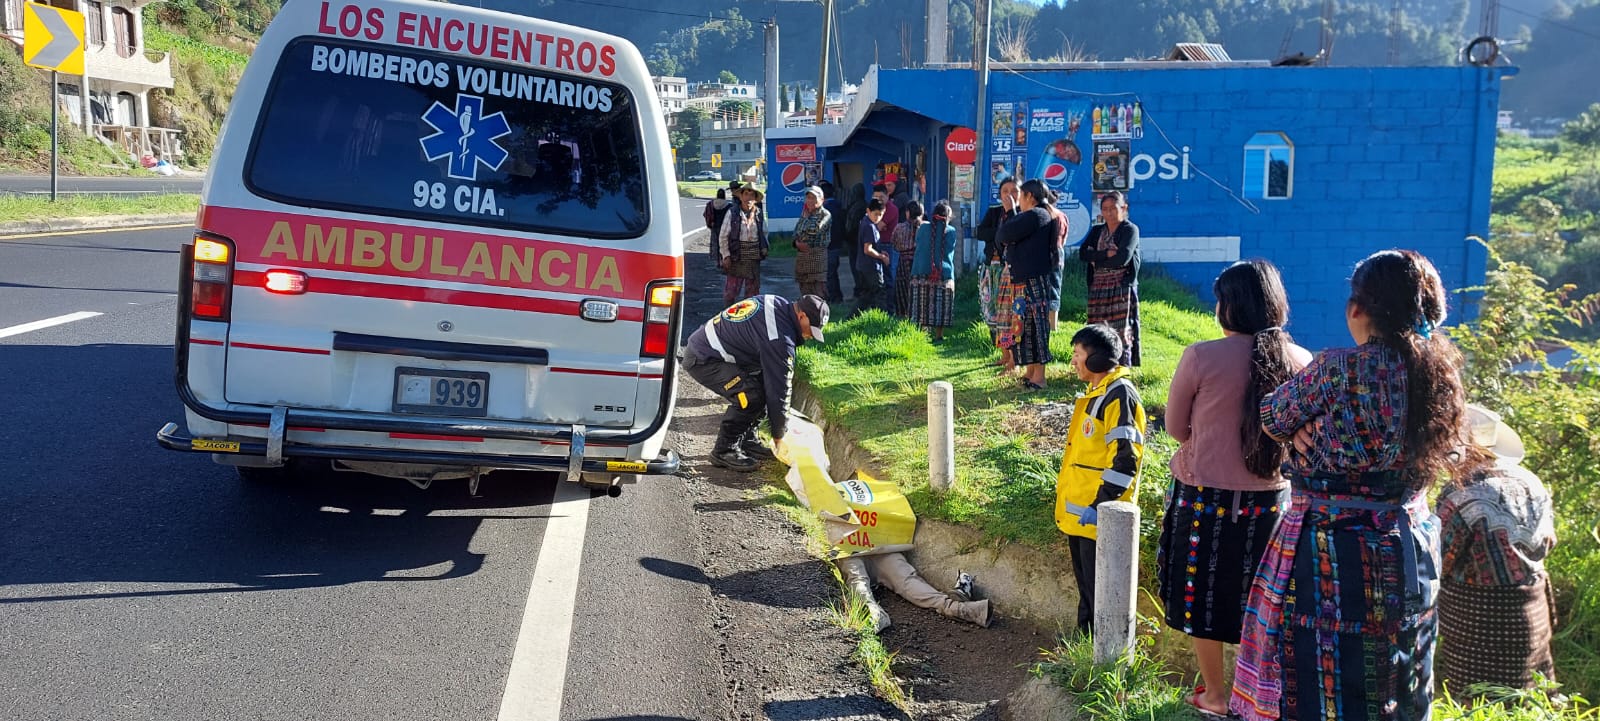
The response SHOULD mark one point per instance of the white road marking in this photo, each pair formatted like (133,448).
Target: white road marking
(46,323)
(539,664)
(692,232)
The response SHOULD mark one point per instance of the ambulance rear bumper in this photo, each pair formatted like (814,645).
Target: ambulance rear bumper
(171,437)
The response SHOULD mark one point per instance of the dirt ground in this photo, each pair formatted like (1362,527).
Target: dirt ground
(782,658)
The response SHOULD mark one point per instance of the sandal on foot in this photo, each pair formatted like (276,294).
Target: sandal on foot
(1194,701)
(1028,385)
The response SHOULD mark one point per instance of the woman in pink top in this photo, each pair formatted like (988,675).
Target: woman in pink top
(1227,494)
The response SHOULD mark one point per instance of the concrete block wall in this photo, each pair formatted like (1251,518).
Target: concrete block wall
(1383,158)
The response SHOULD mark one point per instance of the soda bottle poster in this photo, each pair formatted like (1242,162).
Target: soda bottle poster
(1058,148)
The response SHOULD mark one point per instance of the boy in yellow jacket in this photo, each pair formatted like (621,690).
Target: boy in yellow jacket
(1105,449)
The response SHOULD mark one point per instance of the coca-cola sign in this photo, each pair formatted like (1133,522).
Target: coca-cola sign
(961,146)
(800,153)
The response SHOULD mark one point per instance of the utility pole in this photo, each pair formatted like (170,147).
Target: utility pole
(771,104)
(1327,32)
(938,19)
(822,76)
(980,61)
(1491,19)
(1394,33)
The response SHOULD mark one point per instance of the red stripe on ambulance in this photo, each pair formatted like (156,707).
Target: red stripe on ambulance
(394,252)
(429,294)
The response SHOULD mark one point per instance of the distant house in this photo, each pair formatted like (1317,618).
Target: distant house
(119,75)
(673,92)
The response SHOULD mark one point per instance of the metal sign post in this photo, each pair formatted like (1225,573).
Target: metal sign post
(52,39)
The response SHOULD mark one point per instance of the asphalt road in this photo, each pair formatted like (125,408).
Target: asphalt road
(139,583)
(136,185)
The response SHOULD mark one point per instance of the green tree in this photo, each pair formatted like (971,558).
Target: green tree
(783,99)
(1585,129)
(735,109)
(687,133)
(727,77)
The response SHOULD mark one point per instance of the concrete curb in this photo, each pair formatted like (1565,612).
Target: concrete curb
(95,222)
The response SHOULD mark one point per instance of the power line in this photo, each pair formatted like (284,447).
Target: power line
(1552,21)
(658,12)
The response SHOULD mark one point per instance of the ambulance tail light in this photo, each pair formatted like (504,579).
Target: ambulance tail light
(286,282)
(212,278)
(661,303)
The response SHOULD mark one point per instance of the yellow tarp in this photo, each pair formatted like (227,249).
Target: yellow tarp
(861,515)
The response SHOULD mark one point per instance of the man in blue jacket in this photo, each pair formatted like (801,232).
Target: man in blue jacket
(746,355)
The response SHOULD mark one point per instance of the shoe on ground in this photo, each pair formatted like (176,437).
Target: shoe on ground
(964,590)
(734,459)
(754,448)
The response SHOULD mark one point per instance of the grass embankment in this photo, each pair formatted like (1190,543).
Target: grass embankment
(33,207)
(873,373)
(25,127)
(704,189)
(204,77)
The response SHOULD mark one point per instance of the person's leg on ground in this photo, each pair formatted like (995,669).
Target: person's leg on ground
(895,572)
(746,402)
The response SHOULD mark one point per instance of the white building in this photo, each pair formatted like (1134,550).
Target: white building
(118,73)
(727,91)
(673,92)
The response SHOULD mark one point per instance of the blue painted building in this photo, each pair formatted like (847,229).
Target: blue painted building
(1313,168)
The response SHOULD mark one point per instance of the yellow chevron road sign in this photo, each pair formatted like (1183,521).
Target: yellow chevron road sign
(52,38)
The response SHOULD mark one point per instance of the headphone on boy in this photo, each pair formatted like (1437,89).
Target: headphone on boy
(1100,361)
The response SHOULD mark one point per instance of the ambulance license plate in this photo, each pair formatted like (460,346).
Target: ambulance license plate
(439,392)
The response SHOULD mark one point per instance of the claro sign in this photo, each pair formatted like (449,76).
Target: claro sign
(961,146)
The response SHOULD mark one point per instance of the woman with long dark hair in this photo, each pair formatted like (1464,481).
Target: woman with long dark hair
(904,241)
(933,269)
(994,285)
(1227,491)
(1029,240)
(1340,621)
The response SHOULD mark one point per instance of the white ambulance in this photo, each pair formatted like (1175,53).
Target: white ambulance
(435,241)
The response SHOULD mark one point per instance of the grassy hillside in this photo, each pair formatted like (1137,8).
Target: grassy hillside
(25,126)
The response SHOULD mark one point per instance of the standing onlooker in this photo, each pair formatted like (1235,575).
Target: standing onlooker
(1104,452)
(1030,242)
(904,241)
(1063,229)
(854,210)
(838,241)
(1496,529)
(811,233)
(744,246)
(715,212)
(871,260)
(1340,621)
(1111,253)
(886,228)
(1227,490)
(933,273)
(994,286)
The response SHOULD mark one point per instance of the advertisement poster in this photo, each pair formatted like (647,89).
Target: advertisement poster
(792,168)
(965,177)
(1075,145)
(1002,133)
(1111,160)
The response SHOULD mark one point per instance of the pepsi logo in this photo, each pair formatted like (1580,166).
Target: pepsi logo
(793,178)
(1054,173)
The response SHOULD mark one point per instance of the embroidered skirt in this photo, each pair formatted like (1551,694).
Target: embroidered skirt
(1340,623)
(932,303)
(1115,302)
(903,303)
(1212,541)
(1031,322)
(1000,310)
(1495,634)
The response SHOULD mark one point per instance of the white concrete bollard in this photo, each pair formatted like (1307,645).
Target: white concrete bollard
(1116,580)
(941,436)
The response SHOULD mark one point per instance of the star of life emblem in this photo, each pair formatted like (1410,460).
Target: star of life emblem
(465,137)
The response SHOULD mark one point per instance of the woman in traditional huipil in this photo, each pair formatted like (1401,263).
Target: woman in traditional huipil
(1110,254)
(904,241)
(933,269)
(1340,623)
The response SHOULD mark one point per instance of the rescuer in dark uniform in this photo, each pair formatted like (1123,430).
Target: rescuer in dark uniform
(746,355)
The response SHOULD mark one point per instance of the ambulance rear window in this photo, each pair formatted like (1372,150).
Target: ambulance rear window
(391,131)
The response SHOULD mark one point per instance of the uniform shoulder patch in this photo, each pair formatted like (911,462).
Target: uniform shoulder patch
(742,311)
